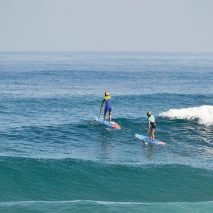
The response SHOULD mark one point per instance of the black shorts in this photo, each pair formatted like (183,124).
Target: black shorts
(153,126)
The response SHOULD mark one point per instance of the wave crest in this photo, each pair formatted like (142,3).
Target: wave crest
(204,114)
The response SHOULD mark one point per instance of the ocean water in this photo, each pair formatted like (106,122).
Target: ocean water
(54,157)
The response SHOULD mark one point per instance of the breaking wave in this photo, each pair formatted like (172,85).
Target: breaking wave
(204,114)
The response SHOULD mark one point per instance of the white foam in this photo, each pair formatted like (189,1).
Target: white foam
(204,114)
(94,202)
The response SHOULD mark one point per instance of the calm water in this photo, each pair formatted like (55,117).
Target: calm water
(55,158)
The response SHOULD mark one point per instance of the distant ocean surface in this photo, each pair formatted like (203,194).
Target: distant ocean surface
(54,157)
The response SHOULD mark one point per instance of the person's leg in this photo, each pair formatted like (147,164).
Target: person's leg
(153,134)
(104,116)
(105,112)
(110,115)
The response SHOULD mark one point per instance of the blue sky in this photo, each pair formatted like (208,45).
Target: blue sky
(107,25)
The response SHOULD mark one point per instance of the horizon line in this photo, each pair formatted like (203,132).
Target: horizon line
(112,51)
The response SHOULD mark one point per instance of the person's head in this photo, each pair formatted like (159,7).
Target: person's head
(148,114)
(106,93)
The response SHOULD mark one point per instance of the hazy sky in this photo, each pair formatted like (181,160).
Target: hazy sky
(144,25)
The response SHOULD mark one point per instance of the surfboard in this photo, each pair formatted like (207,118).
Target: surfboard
(148,140)
(108,124)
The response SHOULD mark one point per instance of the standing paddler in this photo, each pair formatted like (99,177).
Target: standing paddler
(108,106)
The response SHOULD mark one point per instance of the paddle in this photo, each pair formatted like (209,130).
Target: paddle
(99,117)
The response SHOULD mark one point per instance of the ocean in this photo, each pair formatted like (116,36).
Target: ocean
(54,157)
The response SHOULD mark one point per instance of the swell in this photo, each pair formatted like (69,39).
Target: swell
(69,179)
(88,140)
(103,206)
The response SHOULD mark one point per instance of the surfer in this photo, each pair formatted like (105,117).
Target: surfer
(151,125)
(108,105)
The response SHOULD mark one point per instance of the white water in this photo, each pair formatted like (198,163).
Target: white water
(204,114)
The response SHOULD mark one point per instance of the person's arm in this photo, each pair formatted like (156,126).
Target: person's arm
(102,104)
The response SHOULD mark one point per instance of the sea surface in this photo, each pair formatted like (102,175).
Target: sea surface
(54,157)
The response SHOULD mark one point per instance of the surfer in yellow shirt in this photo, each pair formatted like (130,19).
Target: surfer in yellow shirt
(108,105)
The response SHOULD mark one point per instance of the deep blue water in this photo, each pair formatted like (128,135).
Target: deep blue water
(54,157)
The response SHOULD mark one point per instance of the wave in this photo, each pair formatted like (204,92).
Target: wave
(184,161)
(204,114)
(105,206)
(28,179)
(23,202)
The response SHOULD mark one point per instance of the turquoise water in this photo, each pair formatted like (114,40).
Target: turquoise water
(54,157)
